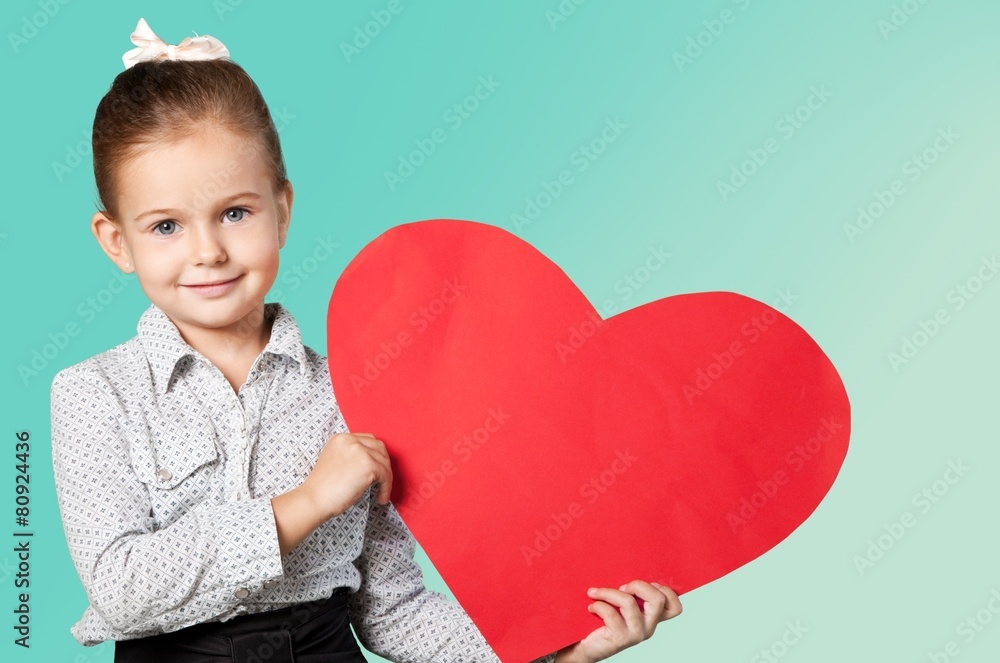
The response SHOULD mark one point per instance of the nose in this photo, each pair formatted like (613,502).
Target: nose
(207,248)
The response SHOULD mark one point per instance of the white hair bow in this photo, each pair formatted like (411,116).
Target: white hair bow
(151,47)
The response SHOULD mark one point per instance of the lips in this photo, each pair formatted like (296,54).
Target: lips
(213,287)
(210,283)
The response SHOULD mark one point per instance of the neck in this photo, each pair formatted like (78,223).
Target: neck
(236,344)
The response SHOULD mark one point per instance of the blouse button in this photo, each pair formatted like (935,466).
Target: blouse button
(164,474)
(268,584)
(242,593)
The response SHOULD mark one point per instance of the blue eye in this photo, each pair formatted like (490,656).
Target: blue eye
(243,210)
(172,226)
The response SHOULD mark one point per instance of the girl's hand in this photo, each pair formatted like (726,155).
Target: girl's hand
(625,623)
(348,465)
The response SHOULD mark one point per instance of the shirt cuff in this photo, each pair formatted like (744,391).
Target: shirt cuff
(247,536)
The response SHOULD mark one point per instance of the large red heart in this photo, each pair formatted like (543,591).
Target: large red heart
(539,450)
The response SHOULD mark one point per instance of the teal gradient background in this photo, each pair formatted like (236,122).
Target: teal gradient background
(345,121)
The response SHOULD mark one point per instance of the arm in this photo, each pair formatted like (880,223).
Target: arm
(140,579)
(295,517)
(395,616)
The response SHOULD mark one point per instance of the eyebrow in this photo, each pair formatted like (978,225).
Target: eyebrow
(224,201)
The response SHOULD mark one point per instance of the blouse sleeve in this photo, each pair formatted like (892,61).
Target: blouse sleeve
(140,579)
(398,618)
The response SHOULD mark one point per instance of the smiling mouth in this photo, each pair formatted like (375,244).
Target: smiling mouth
(209,284)
(214,288)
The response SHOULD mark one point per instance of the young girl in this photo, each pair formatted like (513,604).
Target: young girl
(214,504)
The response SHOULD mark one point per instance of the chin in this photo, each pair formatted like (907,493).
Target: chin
(209,319)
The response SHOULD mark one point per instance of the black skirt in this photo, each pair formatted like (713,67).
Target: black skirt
(315,632)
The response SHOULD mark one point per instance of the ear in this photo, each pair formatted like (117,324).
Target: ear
(111,238)
(285,196)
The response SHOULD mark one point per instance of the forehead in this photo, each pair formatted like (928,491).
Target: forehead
(192,172)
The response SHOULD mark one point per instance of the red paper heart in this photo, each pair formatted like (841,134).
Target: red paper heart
(539,450)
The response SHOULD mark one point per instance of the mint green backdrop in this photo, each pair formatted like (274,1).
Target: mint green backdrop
(747,135)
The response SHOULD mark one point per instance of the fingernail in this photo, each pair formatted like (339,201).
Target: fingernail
(622,588)
(592,591)
(656,584)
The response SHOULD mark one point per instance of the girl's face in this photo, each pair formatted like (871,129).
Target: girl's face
(201,226)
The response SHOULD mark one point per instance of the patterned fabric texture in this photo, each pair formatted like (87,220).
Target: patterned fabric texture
(164,477)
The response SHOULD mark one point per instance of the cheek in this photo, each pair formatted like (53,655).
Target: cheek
(272,266)
(266,256)
(155,267)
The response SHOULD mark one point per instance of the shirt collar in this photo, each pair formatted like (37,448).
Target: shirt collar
(165,347)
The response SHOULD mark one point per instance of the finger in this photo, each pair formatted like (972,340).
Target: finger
(616,597)
(654,603)
(673,606)
(383,477)
(626,605)
(377,453)
(371,442)
(384,491)
(363,437)
(384,483)
(615,628)
(374,447)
